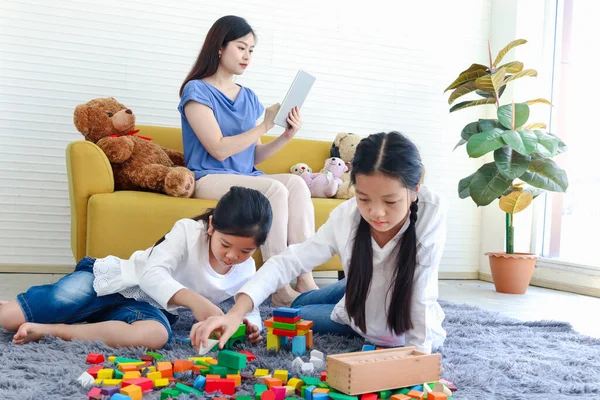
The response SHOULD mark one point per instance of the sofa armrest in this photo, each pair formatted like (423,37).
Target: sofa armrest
(89,173)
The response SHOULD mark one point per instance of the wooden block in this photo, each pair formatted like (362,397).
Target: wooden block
(269,322)
(299,345)
(144,383)
(93,371)
(368,372)
(321,390)
(400,397)
(261,372)
(108,382)
(261,379)
(147,358)
(286,320)
(226,386)
(94,358)
(133,391)
(197,369)
(182,365)
(296,383)
(94,392)
(128,367)
(165,368)
(267,395)
(270,382)
(304,325)
(111,359)
(272,342)
(232,359)
(162,382)
(282,375)
(279,391)
(132,375)
(309,339)
(106,373)
(110,390)
(283,332)
(286,312)
(369,396)
(415,394)
(324,377)
(236,378)
(436,396)
(154,376)
(284,326)
(249,356)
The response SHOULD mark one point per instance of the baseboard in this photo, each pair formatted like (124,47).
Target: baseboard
(565,287)
(458,275)
(36,269)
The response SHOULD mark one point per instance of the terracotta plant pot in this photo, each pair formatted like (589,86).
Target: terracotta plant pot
(512,272)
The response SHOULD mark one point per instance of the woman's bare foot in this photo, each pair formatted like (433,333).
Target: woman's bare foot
(305,283)
(29,332)
(284,296)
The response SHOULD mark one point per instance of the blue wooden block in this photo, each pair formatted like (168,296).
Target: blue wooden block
(200,382)
(284,340)
(119,396)
(320,396)
(308,392)
(368,347)
(286,312)
(299,345)
(418,388)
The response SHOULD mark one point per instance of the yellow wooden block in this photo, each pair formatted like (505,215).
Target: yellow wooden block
(108,382)
(162,382)
(261,372)
(270,330)
(154,375)
(106,373)
(236,378)
(272,342)
(295,383)
(133,391)
(289,390)
(132,375)
(302,333)
(282,375)
(152,369)
(203,359)
(111,359)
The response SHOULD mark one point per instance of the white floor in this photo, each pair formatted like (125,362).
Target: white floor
(536,304)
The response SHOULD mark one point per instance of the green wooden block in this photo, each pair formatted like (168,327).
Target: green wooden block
(183,388)
(259,388)
(231,371)
(404,391)
(243,398)
(197,392)
(341,396)
(218,370)
(167,393)
(118,374)
(241,331)
(120,360)
(200,362)
(311,381)
(284,326)
(156,356)
(232,359)
(386,394)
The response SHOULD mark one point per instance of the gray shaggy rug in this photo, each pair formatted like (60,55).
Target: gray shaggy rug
(485,355)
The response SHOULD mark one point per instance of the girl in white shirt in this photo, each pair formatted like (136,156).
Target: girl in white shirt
(390,240)
(201,262)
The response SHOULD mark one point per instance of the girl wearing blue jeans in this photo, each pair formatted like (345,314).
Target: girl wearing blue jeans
(201,262)
(390,239)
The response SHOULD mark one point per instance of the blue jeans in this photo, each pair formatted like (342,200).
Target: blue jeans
(317,306)
(73,300)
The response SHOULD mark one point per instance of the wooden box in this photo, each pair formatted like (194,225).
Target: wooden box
(377,370)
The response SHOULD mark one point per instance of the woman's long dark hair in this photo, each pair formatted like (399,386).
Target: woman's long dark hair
(240,212)
(395,156)
(223,31)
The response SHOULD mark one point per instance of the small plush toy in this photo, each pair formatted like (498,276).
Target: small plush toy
(300,168)
(344,147)
(326,182)
(137,162)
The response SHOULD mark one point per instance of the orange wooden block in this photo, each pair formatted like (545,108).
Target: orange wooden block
(400,397)
(236,378)
(211,361)
(321,390)
(196,369)
(415,394)
(128,367)
(182,365)
(309,340)
(269,323)
(437,396)
(304,325)
(165,368)
(273,382)
(132,375)
(133,391)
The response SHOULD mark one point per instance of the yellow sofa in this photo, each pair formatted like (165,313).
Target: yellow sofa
(108,222)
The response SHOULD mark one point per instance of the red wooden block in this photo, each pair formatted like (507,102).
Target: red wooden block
(287,320)
(94,358)
(143,366)
(144,383)
(267,395)
(147,357)
(226,386)
(249,356)
(368,396)
(324,378)
(94,392)
(283,332)
(93,371)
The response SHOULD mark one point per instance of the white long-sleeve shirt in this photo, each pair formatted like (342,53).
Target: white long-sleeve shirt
(180,261)
(336,236)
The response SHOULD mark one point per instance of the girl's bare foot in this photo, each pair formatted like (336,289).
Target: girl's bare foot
(305,283)
(284,296)
(29,332)
(3,302)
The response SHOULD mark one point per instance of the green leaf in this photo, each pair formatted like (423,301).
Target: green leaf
(491,83)
(464,186)
(522,141)
(484,142)
(537,125)
(471,103)
(474,67)
(487,184)
(510,163)
(506,49)
(547,144)
(512,67)
(521,115)
(545,174)
(526,72)
(470,129)
(538,101)
(460,143)
(535,192)
(488,124)
(466,77)
(491,95)
(461,91)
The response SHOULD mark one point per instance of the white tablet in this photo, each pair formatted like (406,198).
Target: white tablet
(295,96)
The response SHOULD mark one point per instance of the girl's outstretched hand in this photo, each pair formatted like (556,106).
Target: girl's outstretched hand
(223,326)
(252,331)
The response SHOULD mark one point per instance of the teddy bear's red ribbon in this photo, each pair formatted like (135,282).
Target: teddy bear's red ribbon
(131,133)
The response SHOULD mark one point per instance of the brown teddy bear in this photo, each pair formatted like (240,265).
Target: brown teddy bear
(344,147)
(137,162)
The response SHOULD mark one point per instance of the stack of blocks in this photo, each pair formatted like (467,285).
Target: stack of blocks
(285,325)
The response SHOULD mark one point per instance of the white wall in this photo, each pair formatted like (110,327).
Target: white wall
(380,66)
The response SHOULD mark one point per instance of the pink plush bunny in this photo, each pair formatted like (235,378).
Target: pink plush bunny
(326,182)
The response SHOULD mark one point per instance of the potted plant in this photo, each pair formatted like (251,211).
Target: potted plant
(522,166)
